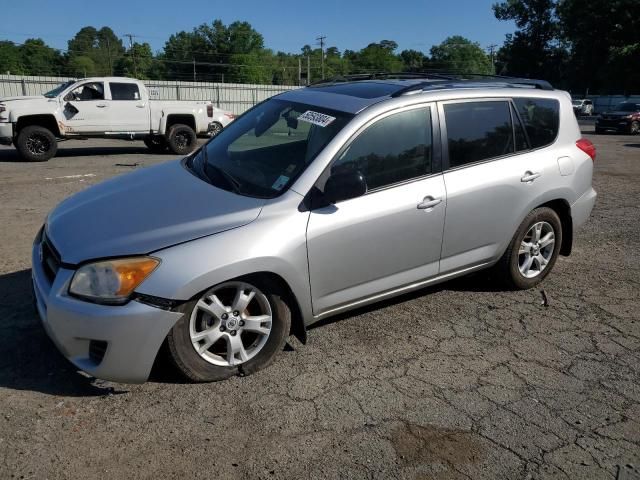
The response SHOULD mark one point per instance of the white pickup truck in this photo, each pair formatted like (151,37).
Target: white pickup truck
(108,107)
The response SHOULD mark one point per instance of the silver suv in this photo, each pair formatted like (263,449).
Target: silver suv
(314,202)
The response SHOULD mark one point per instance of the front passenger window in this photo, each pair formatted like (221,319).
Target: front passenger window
(392,150)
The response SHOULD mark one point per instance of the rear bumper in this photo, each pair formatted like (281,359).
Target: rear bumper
(6,133)
(581,209)
(129,335)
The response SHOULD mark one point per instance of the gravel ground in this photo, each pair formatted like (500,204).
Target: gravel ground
(458,381)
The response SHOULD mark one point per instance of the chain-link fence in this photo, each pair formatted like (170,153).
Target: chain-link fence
(234,97)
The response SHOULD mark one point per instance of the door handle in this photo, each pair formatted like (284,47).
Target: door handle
(101,105)
(530,176)
(140,106)
(429,202)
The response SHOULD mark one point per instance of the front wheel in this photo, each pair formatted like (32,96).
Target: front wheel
(156,143)
(36,144)
(237,327)
(533,250)
(635,128)
(182,139)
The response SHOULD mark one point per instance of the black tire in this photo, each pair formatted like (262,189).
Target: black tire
(181,139)
(196,369)
(634,129)
(599,131)
(36,144)
(216,128)
(508,267)
(156,143)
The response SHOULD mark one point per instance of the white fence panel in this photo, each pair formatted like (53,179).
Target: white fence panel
(234,97)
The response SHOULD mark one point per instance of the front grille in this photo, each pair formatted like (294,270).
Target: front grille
(97,349)
(50,258)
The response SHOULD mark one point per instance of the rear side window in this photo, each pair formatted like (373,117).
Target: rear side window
(541,117)
(392,150)
(124,91)
(478,131)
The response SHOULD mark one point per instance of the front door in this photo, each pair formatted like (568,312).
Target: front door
(85,109)
(391,236)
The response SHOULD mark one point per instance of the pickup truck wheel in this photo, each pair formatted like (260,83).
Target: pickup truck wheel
(236,327)
(215,129)
(156,143)
(533,250)
(182,139)
(36,144)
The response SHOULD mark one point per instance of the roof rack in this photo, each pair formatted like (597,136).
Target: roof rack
(440,80)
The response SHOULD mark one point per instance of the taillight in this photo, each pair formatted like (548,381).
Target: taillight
(587,147)
(209,110)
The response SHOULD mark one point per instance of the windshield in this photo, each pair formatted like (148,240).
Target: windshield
(628,107)
(59,89)
(268,147)
(577,103)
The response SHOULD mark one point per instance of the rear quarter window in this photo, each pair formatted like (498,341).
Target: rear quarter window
(541,118)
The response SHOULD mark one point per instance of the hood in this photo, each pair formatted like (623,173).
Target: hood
(15,99)
(143,211)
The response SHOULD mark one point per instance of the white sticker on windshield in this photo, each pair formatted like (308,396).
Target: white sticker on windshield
(280,182)
(316,118)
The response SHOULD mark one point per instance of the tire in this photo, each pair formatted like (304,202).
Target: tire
(211,318)
(634,129)
(216,128)
(599,131)
(36,144)
(512,266)
(156,143)
(182,139)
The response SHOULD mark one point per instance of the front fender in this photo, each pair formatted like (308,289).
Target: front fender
(273,243)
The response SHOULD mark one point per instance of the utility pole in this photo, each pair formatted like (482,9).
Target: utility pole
(299,71)
(109,55)
(133,53)
(194,69)
(308,70)
(491,50)
(321,40)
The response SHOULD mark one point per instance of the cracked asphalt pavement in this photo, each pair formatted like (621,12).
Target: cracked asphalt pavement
(458,381)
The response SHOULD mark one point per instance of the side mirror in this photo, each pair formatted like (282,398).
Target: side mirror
(343,186)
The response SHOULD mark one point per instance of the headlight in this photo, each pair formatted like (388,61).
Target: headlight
(111,281)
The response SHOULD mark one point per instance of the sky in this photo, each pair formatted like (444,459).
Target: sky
(286,25)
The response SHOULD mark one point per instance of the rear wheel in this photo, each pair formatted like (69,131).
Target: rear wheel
(182,139)
(156,143)
(533,250)
(36,144)
(237,327)
(635,128)
(215,129)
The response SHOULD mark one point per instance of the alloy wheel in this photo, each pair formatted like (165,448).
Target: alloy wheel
(536,249)
(230,324)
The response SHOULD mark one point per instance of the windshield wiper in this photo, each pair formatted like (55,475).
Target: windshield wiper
(228,178)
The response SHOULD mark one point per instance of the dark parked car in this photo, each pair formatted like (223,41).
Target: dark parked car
(625,118)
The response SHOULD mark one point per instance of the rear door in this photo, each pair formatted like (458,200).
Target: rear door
(391,236)
(128,109)
(492,176)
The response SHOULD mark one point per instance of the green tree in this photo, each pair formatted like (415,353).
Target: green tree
(460,55)
(375,57)
(534,50)
(10,61)
(138,62)
(413,60)
(102,46)
(39,59)
(604,44)
(215,48)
